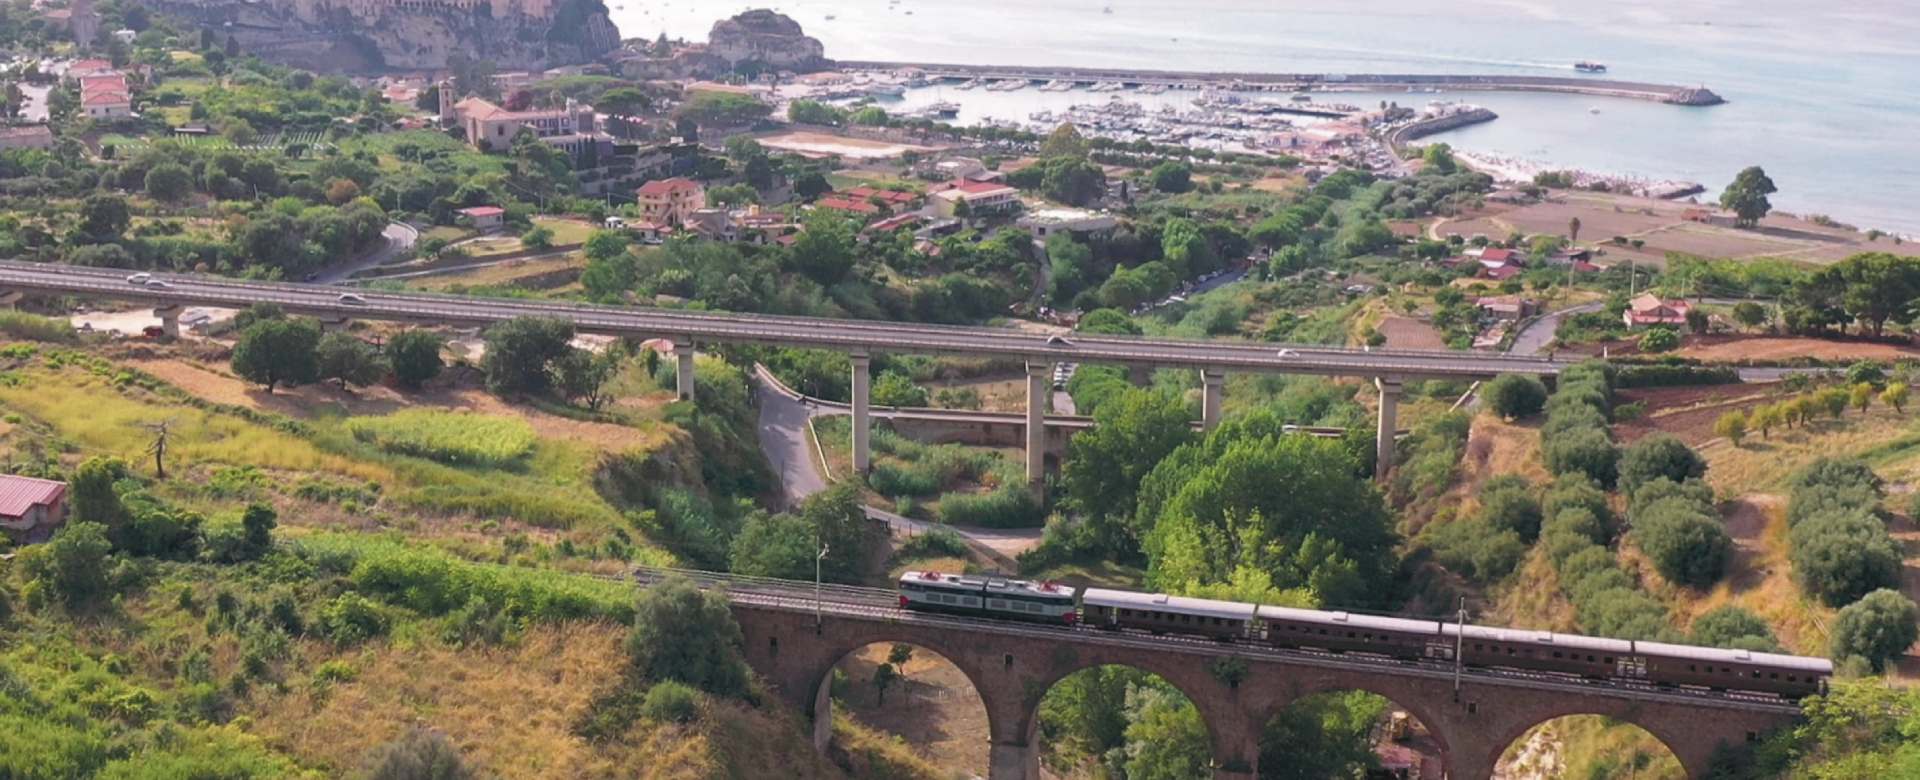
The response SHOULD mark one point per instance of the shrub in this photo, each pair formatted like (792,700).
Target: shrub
(421,754)
(1586,452)
(414,356)
(1878,628)
(682,633)
(1839,556)
(1660,339)
(1687,546)
(670,702)
(1656,456)
(1510,503)
(1575,492)
(934,543)
(33,327)
(1671,375)
(1693,490)
(1515,395)
(449,437)
(1477,549)
(351,619)
(1732,426)
(1733,627)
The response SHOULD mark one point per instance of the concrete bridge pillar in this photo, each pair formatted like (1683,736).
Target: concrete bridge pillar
(862,381)
(1383,442)
(1213,386)
(683,370)
(10,299)
(331,324)
(1013,761)
(1037,390)
(169,319)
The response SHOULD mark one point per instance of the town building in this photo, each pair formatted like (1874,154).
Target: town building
(491,128)
(26,137)
(1508,308)
(982,198)
(1079,222)
(1650,309)
(485,218)
(104,95)
(30,509)
(669,202)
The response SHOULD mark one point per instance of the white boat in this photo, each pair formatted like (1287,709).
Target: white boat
(1593,110)
(968,84)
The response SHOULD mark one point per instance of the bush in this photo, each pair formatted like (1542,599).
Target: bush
(1839,556)
(1515,395)
(419,755)
(1693,490)
(414,356)
(33,327)
(670,702)
(351,619)
(1510,503)
(682,633)
(1660,339)
(1587,452)
(1477,549)
(1733,627)
(449,437)
(1575,492)
(1656,456)
(1877,628)
(1687,546)
(1674,375)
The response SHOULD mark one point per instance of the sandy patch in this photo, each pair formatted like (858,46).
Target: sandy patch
(853,148)
(1408,333)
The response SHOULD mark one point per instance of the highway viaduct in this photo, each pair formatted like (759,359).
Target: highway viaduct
(860,339)
(793,642)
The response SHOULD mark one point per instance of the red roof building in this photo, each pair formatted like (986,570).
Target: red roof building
(485,217)
(849,205)
(670,202)
(31,508)
(1501,273)
(892,198)
(1650,309)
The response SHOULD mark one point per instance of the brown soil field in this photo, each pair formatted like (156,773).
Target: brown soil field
(1686,412)
(933,707)
(1736,348)
(1408,333)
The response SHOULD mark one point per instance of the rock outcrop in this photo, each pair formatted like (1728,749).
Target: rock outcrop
(370,36)
(766,39)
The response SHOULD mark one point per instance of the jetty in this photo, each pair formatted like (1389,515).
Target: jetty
(1303,82)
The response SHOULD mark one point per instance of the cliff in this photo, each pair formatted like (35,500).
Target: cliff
(368,36)
(765,39)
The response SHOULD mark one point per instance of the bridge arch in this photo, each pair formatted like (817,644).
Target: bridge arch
(1232,749)
(859,693)
(821,677)
(1693,753)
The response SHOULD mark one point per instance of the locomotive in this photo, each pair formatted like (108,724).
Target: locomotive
(1405,639)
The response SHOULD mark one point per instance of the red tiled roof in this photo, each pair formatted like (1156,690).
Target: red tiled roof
(971,187)
(483,211)
(89,66)
(104,98)
(1497,255)
(20,494)
(662,187)
(1502,273)
(890,196)
(893,223)
(846,204)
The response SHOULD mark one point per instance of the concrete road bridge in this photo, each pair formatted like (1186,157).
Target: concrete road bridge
(690,330)
(794,639)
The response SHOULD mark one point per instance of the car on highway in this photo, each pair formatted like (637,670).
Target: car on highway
(157,284)
(352,299)
(1059,340)
(1287,353)
(139,278)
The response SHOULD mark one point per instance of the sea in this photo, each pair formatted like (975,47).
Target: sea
(1824,95)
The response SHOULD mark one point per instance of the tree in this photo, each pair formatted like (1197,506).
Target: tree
(884,676)
(94,499)
(1573,230)
(1064,141)
(422,754)
(893,388)
(1439,159)
(537,238)
(1659,339)
(812,184)
(1750,314)
(1895,396)
(414,356)
(1656,456)
(1585,451)
(1324,735)
(520,352)
(1732,425)
(239,132)
(1878,628)
(342,357)
(1514,396)
(683,633)
(1746,197)
(342,191)
(104,217)
(276,352)
(1106,463)
(73,565)
(899,655)
(258,522)
(1861,396)
(581,376)
(168,182)
(1165,738)
(1172,177)
(1511,503)
(824,251)
(1687,546)
(1734,628)
(1839,556)
(1765,418)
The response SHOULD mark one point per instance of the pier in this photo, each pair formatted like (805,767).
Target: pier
(1308,82)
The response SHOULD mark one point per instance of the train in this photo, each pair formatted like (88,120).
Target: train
(1658,664)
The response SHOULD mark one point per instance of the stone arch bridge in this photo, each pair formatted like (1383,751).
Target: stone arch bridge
(794,642)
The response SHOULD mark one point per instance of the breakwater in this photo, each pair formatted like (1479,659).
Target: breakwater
(1399,136)
(1309,82)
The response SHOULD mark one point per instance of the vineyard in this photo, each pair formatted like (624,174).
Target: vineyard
(309,140)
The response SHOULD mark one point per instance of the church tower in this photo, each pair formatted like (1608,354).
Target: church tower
(446,102)
(86,24)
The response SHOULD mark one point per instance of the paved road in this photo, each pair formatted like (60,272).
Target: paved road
(400,238)
(719,328)
(783,438)
(34,107)
(1535,335)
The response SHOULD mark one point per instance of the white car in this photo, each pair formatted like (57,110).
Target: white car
(139,278)
(156,284)
(1287,353)
(352,299)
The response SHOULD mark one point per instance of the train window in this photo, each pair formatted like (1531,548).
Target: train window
(1609,660)
(1690,668)
(1589,659)
(1349,634)
(1773,675)
(1556,654)
(1477,647)
(1791,678)
(1509,651)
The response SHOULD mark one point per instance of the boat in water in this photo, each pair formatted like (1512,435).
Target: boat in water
(944,110)
(1585,66)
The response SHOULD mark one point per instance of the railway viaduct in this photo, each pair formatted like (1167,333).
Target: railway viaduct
(1012,667)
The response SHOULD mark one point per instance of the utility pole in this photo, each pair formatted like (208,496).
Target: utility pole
(1459,647)
(816,586)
